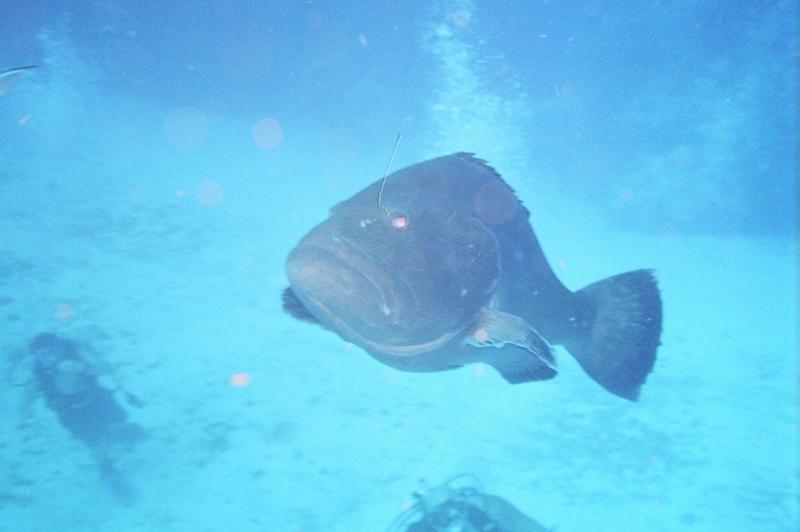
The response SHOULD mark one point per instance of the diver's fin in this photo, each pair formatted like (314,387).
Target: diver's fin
(17,70)
(9,78)
(121,487)
(295,307)
(133,399)
(520,353)
(619,325)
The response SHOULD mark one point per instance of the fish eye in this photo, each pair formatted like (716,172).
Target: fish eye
(399,221)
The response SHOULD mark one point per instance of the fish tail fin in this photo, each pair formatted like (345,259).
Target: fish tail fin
(619,322)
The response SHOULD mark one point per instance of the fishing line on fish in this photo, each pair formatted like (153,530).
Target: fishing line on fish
(386,173)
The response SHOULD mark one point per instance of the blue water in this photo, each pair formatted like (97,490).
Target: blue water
(164,157)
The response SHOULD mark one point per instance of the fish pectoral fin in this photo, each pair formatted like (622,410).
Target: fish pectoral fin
(496,328)
(516,365)
(521,353)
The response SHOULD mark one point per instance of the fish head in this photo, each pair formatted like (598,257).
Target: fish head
(399,278)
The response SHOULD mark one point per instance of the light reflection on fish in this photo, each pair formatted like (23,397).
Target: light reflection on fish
(449,272)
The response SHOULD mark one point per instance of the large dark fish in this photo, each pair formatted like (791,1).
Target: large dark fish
(88,410)
(447,271)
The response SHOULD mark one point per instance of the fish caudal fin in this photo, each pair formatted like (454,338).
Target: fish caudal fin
(619,326)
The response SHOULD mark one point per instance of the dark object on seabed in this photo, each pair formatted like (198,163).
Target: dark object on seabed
(84,407)
(449,508)
(438,266)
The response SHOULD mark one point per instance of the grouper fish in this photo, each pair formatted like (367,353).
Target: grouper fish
(444,270)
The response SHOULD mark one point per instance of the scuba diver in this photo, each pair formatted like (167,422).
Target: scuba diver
(71,389)
(84,407)
(453,508)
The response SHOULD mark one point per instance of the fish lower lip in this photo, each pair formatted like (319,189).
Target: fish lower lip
(394,350)
(335,286)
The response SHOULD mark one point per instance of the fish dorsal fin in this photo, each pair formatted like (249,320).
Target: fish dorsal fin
(471,158)
(495,200)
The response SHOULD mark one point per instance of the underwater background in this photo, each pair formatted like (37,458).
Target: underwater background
(162,160)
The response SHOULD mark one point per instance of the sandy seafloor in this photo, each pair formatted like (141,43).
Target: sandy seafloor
(170,264)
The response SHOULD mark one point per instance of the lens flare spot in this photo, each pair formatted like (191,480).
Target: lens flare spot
(626,194)
(562,265)
(210,193)
(362,39)
(186,128)
(65,312)
(480,369)
(267,133)
(563,90)
(461,18)
(240,380)
(24,120)
(181,193)
(481,335)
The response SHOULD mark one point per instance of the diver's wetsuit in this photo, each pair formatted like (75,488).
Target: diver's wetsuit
(466,509)
(466,516)
(70,387)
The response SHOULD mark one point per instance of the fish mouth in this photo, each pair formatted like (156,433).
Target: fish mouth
(346,292)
